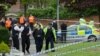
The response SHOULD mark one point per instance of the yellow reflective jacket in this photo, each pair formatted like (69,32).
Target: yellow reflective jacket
(54,32)
(35,25)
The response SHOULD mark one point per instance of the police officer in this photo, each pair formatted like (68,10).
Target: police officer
(25,38)
(50,36)
(54,25)
(16,29)
(38,36)
(63,32)
(38,23)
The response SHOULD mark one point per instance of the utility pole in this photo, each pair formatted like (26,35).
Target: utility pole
(58,14)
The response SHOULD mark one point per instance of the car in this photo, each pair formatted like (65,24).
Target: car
(81,33)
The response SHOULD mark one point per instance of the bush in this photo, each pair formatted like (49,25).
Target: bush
(42,13)
(4,35)
(4,48)
(51,12)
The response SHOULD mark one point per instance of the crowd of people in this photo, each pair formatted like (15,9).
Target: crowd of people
(29,27)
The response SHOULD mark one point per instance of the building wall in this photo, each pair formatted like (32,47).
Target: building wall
(15,8)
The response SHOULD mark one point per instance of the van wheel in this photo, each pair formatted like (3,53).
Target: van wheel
(92,38)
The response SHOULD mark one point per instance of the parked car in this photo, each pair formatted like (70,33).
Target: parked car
(81,32)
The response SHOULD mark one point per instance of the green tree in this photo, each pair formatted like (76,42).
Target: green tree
(5,5)
(25,3)
(83,6)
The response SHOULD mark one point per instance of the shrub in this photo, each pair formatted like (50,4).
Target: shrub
(4,48)
(4,35)
(42,13)
(51,12)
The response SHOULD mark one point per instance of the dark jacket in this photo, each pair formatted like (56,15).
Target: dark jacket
(63,27)
(25,31)
(49,35)
(14,32)
(38,34)
(54,25)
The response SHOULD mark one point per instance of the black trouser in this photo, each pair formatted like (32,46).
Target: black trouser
(39,44)
(63,38)
(39,47)
(48,40)
(15,42)
(25,43)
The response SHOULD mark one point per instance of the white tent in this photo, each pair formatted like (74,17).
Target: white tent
(11,15)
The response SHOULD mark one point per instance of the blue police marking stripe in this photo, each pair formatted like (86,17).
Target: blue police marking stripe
(73,33)
(88,32)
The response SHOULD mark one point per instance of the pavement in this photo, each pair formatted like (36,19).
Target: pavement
(32,47)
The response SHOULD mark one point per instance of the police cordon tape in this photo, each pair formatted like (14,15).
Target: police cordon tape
(73,21)
(59,47)
(68,52)
(76,21)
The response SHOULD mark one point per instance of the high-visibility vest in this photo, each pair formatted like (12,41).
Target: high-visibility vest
(91,23)
(8,23)
(21,20)
(82,21)
(35,25)
(54,32)
(31,19)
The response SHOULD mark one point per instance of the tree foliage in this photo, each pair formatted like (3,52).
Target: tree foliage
(81,4)
(5,5)
(68,8)
(10,1)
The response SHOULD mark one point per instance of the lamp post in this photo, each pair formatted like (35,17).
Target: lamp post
(58,14)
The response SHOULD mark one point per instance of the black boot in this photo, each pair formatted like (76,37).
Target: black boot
(52,50)
(28,51)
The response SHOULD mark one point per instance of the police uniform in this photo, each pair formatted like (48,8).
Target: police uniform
(38,36)
(25,39)
(50,36)
(15,33)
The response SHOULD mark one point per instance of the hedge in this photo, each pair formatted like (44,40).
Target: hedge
(4,35)
(51,12)
(43,13)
